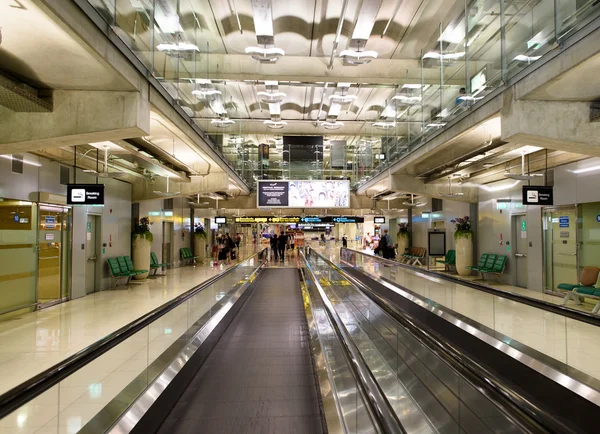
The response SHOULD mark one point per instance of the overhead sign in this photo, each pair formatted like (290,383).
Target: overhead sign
(221,220)
(304,194)
(296,220)
(85,194)
(379,220)
(539,195)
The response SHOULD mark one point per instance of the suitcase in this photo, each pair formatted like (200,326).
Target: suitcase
(233,256)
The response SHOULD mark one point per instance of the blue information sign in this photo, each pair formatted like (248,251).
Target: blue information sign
(563,221)
(16,218)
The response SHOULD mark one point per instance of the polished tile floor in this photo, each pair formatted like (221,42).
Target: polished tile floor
(33,342)
(570,341)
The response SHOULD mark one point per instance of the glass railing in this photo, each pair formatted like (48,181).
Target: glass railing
(521,322)
(90,391)
(425,393)
(479,50)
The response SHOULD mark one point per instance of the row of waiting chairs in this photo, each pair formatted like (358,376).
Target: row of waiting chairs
(187,256)
(413,256)
(122,267)
(488,263)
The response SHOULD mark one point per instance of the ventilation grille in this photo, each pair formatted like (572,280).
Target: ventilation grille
(65,175)
(19,99)
(17,163)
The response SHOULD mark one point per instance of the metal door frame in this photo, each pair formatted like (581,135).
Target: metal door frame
(513,240)
(577,243)
(171,260)
(98,253)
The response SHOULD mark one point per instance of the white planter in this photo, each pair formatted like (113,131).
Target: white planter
(199,248)
(141,255)
(403,242)
(464,253)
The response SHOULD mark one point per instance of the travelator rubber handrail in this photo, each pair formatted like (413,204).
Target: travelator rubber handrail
(28,390)
(528,415)
(377,403)
(540,304)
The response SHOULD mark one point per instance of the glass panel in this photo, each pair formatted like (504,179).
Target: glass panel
(18,254)
(38,415)
(52,249)
(133,25)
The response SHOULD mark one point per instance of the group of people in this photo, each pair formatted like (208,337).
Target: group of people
(279,244)
(225,248)
(385,246)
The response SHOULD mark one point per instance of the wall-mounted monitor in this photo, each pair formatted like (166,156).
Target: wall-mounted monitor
(85,194)
(379,220)
(304,194)
(221,220)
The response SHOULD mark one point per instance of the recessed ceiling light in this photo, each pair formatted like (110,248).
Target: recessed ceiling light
(384,125)
(276,125)
(222,122)
(445,56)
(335,125)
(353,57)
(182,46)
(265,55)
(271,97)
(341,99)
(204,93)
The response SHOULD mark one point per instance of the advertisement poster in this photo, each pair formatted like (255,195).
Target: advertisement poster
(304,194)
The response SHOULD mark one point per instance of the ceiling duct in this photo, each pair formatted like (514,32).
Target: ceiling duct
(263,26)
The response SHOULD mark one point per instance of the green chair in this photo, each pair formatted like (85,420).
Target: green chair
(186,255)
(154,264)
(449,260)
(480,264)
(117,271)
(498,266)
(130,268)
(489,264)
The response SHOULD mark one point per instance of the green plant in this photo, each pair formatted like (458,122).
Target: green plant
(141,228)
(199,231)
(403,230)
(462,227)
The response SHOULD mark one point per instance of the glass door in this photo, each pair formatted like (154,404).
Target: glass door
(54,249)
(561,251)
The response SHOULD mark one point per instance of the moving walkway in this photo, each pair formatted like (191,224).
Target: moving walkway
(305,348)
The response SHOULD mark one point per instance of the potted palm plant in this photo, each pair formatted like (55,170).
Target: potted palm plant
(403,237)
(200,243)
(141,246)
(463,242)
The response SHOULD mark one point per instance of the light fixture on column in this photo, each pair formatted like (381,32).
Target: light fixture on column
(450,193)
(411,203)
(271,97)
(222,122)
(275,124)
(523,176)
(166,193)
(332,125)
(265,55)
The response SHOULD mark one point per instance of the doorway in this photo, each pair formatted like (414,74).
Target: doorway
(92,273)
(520,243)
(167,247)
(561,252)
(54,240)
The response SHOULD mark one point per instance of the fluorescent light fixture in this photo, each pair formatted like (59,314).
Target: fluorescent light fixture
(182,46)
(276,125)
(578,171)
(425,215)
(411,86)
(206,93)
(384,125)
(499,187)
(203,81)
(446,56)
(342,99)
(31,163)
(436,124)
(523,58)
(222,122)
(353,57)
(335,125)
(265,55)
(404,99)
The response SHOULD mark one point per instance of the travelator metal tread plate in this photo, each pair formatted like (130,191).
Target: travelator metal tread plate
(259,377)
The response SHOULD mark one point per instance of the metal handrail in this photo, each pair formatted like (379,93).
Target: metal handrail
(540,304)
(384,413)
(28,390)
(470,370)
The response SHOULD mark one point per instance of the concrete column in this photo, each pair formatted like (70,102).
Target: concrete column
(410,226)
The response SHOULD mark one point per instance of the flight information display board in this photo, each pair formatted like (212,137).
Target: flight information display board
(304,194)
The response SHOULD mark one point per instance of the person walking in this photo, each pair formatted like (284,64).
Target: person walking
(281,243)
(273,244)
(385,245)
(344,242)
